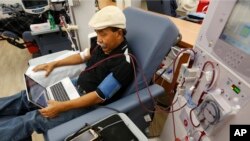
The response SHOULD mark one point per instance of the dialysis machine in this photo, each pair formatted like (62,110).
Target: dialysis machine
(214,88)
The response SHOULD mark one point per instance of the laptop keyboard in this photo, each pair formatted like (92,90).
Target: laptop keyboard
(59,92)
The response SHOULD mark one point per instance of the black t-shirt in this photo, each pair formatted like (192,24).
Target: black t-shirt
(120,66)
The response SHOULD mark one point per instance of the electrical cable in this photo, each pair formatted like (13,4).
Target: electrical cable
(168,107)
(137,89)
(172,111)
(178,108)
(62,21)
(107,126)
(153,99)
(202,134)
(113,109)
(159,76)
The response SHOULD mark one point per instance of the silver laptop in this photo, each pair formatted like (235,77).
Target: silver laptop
(61,91)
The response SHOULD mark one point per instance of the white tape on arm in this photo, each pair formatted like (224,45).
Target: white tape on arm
(85,54)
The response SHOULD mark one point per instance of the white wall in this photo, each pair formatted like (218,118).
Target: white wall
(133,3)
(82,14)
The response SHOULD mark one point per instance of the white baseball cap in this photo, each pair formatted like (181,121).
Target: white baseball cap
(109,16)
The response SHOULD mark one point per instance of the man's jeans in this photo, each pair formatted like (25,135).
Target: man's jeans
(25,118)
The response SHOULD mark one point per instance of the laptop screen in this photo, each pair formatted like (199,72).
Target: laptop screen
(36,93)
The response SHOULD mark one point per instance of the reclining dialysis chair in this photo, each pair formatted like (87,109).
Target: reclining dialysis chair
(150,37)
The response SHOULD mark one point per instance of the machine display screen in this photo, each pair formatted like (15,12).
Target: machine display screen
(31,4)
(237,30)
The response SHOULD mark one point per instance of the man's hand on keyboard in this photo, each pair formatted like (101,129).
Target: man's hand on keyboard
(53,109)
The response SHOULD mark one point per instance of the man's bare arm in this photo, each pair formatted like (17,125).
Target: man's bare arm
(71,60)
(55,107)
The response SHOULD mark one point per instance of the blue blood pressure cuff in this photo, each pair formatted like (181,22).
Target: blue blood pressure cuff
(108,87)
